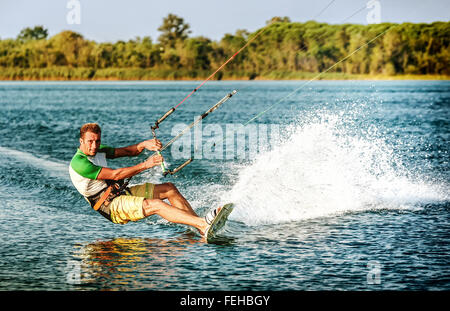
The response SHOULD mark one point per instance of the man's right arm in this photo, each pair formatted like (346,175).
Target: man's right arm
(134,150)
(127,172)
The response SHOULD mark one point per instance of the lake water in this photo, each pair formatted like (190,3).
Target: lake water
(340,186)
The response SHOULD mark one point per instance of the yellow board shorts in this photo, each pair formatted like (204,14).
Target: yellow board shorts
(128,207)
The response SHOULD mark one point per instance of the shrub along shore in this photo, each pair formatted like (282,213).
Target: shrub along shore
(284,51)
(139,74)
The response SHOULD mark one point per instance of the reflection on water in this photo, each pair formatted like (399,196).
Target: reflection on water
(134,262)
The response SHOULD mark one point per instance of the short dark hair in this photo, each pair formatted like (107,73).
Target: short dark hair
(90,127)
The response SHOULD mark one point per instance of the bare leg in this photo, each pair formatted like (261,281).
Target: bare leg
(175,215)
(170,192)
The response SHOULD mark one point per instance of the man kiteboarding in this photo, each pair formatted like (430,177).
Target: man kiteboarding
(107,192)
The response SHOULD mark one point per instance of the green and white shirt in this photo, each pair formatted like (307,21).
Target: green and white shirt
(84,170)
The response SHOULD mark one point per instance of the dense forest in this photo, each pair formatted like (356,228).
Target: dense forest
(285,50)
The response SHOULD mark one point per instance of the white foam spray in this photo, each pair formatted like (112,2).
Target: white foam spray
(322,169)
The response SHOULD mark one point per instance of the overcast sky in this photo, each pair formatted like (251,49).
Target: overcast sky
(112,20)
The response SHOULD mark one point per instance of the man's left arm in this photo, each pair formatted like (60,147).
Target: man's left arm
(134,150)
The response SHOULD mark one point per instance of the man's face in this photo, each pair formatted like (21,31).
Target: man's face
(90,143)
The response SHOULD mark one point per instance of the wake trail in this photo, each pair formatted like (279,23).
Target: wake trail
(53,167)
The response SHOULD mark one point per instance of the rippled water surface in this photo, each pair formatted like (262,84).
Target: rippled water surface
(346,187)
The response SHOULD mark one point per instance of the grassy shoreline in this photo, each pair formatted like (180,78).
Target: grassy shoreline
(139,74)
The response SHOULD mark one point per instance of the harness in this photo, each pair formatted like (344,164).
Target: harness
(101,200)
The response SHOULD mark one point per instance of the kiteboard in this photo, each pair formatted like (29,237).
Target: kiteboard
(219,222)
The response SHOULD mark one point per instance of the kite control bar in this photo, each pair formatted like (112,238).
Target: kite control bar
(184,131)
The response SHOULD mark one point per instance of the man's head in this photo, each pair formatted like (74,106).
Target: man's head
(90,138)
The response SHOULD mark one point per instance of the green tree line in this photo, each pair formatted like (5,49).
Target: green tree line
(284,50)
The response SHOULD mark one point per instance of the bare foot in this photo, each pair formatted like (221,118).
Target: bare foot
(205,227)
